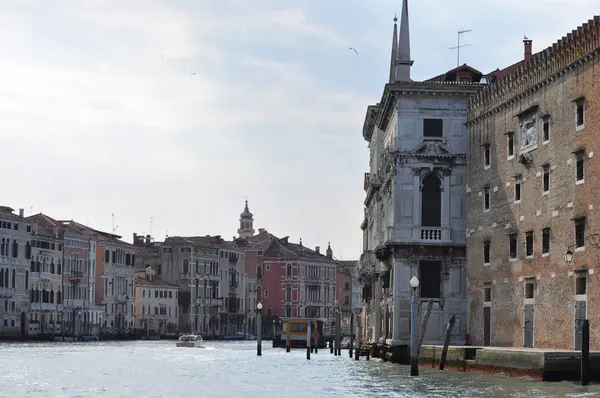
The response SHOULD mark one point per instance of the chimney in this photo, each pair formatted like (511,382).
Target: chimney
(527,47)
(55,230)
(261,230)
(21,212)
(318,249)
(148,239)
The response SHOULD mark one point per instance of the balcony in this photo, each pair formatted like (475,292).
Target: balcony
(7,292)
(74,276)
(43,306)
(45,276)
(233,310)
(75,303)
(233,258)
(367,259)
(183,276)
(420,235)
(6,260)
(313,277)
(122,299)
(371,180)
(233,283)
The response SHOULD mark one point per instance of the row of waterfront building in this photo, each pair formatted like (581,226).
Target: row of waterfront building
(61,277)
(483,186)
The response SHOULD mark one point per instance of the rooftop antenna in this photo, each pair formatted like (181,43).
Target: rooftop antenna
(459,46)
(31,210)
(151,219)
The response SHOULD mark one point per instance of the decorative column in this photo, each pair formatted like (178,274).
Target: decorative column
(401,312)
(446,203)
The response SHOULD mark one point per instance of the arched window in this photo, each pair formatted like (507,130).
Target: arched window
(58,268)
(186,267)
(288,311)
(15,249)
(197,266)
(259,293)
(3,248)
(52,267)
(2,277)
(6,278)
(14,278)
(28,250)
(259,271)
(431,201)
(26,280)
(288,270)
(288,293)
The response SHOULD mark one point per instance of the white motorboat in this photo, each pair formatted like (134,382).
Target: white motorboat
(190,341)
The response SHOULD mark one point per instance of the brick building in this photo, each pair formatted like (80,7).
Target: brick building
(533,133)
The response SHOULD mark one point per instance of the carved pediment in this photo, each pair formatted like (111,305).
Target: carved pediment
(433,148)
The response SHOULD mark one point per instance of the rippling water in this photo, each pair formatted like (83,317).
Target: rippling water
(232,369)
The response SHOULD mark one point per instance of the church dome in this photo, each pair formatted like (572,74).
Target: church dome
(246,213)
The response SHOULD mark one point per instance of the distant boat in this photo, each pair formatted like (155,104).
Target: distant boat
(190,341)
(239,337)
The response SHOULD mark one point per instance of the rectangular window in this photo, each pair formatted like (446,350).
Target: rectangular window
(510,144)
(529,244)
(487,294)
(546,179)
(579,167)
(512,246)
(433,127)
(529,288)
(580,114)
(546,129)
(581,283)
(487,252)
(545,240)
(486,156)
(518,183)
(580,232)
(430,275)
(486,198)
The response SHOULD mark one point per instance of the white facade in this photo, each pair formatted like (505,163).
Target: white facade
(95,312)
(232,291)
(45,279)
(119,284)
(415,208)
(156,306)
(15,234)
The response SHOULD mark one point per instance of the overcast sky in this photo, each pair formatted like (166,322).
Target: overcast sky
(178,110)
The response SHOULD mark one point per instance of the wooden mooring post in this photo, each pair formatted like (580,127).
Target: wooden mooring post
(447,341)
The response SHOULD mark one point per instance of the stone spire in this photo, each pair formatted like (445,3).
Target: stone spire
(404,62)
(394,56)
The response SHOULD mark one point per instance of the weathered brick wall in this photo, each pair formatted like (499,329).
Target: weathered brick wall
(555,287)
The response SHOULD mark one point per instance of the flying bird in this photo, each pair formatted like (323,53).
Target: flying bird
(353,49)
(193,74)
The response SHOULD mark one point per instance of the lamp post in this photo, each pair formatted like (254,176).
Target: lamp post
(259,307)
(414,360)
(338,330)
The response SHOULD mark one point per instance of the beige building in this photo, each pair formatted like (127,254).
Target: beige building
(156,303)
(15,257)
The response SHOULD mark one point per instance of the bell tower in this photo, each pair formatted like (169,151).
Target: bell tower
(246,229)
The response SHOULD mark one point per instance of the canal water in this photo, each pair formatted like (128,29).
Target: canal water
(232,369)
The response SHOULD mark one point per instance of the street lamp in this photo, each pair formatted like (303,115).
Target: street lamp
(259,307)
(568,256)
(338,330)
(414,360)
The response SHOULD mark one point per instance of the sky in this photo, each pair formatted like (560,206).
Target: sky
(168,114)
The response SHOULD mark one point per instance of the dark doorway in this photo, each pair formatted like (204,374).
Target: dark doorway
(528,327)
(431,201)
(580,310)
(487,326)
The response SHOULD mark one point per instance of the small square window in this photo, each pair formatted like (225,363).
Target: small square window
(580,232)
(487,252)
(546,129)
(546,179)
(433,128)
(518,183)
(529,244)
(512,246)
(545,240)
(579,167)
(510,144)
(529,288)
(580,114)
(487,156)
(486,198)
